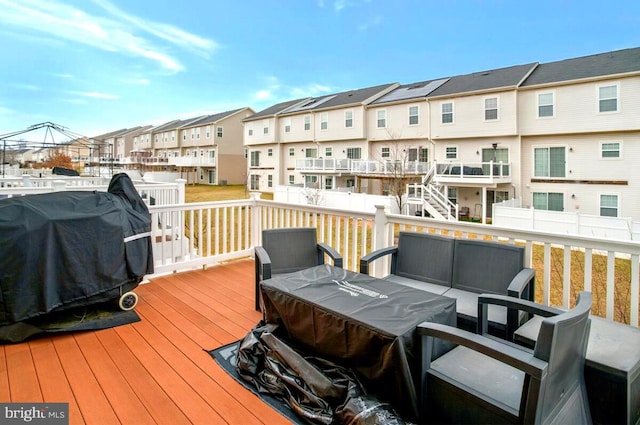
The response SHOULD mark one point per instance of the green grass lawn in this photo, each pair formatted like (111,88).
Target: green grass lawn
(204,193)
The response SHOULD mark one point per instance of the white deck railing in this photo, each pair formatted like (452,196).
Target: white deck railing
(200,234)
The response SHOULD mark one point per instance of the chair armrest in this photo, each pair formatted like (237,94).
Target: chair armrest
(525,280)
(514,305)
(514,357)
(367,259)
(263,263)
(323,248)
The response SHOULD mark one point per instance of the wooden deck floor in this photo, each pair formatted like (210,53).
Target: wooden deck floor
(151,372)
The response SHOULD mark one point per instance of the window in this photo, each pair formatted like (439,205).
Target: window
(212,154)
(193,133)
(198,133)
(328,152)
(350,183)
(452,194)
(292,179)
(207,131)
(548,201)
(348,119)
(354,153)
(382,119)
(414,112)
(328,183)
(184,135)
(265,127)
(270,152)
(219,131)
(608,98)
(545,105)
(447,113)
(385,152)
(269,180)
(311,153)
(255,158)
(287,125)
(307,123)
(609,205)
(549,162)
(491,108)
(292,151)
(610,150)
(311,181)
(250,132)
(255,182)
(451,152)
(324,121)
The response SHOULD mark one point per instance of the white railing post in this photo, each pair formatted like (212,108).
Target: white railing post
(59,186)
(26,180)
(181,190)
(255,220)
(380,236)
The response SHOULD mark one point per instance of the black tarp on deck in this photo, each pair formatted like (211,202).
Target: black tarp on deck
(66,249)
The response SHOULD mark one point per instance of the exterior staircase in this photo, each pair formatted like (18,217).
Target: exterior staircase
(430,198)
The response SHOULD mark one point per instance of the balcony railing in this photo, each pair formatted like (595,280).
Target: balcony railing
(195,235)
(324,165)
(389,168)
(192,161)
(473,172)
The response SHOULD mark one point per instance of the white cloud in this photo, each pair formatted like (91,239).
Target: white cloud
(373,22)
(311,90)
(120,32)
(97,95)
(263,95)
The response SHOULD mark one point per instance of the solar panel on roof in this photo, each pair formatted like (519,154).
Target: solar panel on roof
(313,103)
(412,91)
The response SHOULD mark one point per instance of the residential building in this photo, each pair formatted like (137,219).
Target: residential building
(561,136)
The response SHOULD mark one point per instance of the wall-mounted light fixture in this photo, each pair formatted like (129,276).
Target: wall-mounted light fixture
(570,149)
(477,152)
(573,196)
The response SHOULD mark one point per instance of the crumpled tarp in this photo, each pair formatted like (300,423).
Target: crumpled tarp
(318,390)
(73,248)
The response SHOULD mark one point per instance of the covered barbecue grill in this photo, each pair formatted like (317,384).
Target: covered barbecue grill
(68,249)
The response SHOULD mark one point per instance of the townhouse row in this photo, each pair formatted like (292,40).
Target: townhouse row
(562,136)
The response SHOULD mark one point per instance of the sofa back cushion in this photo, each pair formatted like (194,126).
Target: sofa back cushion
(426,257)
(484,266)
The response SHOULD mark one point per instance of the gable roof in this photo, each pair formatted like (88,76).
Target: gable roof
(509,77)
(208,119)
(275,109)
(411,91)
(351,97)
(611,63)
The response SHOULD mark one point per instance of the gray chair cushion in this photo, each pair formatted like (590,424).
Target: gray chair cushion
(418,284)
(467,305)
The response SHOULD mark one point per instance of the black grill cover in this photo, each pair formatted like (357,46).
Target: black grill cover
(67,249)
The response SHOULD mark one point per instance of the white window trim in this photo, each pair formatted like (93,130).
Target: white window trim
(453,113)
(567,149)
(457,152)
(409,115)
(553,104)
(619,142)
(484,108)
(617,194)
(345,118)
(378,118)
(618,103)
(324,119)
(325,151)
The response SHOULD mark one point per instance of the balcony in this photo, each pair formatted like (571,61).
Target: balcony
(472,173)
(323,165)
(155,370)
(388,168)
(192,161)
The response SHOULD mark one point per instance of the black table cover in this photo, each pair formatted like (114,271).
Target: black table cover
(361,322)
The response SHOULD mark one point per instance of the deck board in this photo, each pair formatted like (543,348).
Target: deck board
(155,371)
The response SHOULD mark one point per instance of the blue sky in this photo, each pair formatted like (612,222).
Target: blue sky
(95,66)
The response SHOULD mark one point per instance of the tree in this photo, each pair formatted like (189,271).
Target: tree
(397,169)
(57,158)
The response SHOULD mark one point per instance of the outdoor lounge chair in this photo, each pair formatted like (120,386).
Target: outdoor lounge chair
(487,380)
(289,250)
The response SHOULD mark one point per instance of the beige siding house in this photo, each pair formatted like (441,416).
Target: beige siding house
(560,136)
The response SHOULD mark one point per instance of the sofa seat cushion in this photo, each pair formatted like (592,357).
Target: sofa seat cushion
(467,307)
(418,284)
